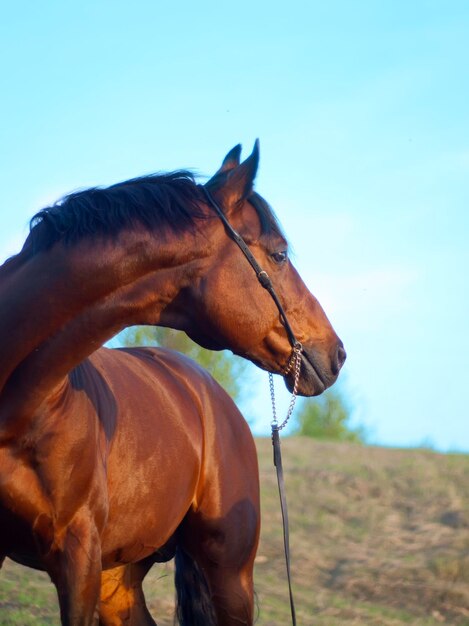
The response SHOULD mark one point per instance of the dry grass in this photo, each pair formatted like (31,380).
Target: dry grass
(379,537)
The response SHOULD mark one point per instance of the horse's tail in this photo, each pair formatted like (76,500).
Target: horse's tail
(194,605)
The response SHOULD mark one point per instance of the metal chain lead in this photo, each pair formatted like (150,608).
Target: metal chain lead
(294,364)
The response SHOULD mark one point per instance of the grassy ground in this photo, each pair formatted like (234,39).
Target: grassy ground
(379,537)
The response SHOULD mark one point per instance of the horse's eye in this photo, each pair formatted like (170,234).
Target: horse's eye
(280,257)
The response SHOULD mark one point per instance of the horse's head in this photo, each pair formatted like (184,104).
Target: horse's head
(230,309)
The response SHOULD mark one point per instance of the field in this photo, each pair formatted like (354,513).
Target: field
(379,537)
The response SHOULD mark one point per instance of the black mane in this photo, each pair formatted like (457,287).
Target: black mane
(156,201)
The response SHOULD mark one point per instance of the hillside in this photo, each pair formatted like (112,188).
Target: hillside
(379,536)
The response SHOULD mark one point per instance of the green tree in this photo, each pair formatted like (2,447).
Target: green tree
(229,370)
(328,417)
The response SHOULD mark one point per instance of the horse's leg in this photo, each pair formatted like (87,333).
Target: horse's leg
(74,564)
(223,552)
(122,601)
(218,538)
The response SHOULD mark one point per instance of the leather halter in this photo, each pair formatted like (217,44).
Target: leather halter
(294,361)
(261,274)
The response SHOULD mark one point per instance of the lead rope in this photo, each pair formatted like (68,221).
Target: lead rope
(295,364)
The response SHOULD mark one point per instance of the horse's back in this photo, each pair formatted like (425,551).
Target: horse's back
(157,393)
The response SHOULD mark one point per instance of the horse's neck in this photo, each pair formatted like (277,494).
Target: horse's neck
(61,305)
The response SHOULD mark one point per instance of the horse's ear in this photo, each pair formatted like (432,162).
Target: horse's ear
(229,163)
(235,184)
(231,160)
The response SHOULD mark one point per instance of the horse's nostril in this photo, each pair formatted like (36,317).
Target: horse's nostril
(341,356)
(338,359)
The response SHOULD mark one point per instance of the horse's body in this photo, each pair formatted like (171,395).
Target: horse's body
(112,460)
(168,445)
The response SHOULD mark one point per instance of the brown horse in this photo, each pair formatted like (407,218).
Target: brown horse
(112,460)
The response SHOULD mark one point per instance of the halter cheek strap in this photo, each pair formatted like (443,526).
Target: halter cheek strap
(261,274)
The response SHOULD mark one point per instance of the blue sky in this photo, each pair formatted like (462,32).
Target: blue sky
(361,110)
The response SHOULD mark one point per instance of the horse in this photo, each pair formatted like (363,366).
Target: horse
(113,460)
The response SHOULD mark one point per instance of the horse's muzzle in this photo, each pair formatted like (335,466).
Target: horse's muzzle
(316,376)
